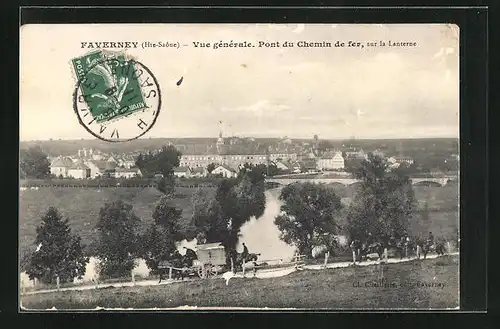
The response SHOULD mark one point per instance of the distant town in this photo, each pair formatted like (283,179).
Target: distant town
(225,156)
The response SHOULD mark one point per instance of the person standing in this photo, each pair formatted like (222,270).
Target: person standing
(430,239)
(244,254)
(190,256)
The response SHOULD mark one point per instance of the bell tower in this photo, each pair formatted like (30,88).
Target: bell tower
(220,144)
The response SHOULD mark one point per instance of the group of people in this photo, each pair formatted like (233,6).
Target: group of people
(372,244)
(404,239)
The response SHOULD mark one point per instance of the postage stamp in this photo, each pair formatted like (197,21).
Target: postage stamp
(297,166)
(110,89)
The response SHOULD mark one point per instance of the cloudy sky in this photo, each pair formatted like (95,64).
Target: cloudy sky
(374,92)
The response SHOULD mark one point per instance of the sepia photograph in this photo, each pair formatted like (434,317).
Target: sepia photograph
(239,167)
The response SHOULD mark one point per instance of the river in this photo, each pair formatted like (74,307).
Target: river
(261,235)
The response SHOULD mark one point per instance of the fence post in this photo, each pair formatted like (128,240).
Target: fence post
(386,256)
(326,257)
(232,265)
(57,283)
(354,257)
(449,246)
(170,273)
(418,251)
(243,268)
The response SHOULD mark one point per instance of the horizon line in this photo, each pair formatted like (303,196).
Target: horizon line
(212,137)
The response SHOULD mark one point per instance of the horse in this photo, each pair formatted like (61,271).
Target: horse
(319,251)
(239,259)
(189,257)
(375,247)
(427,246)
(252,257)
(359,249)
(401,247)
(179,266)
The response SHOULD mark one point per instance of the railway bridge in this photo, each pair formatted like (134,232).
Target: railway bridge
(435,181)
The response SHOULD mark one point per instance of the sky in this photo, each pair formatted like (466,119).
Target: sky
(335,93)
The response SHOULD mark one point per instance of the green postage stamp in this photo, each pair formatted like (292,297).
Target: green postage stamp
(107,85)
(116,99)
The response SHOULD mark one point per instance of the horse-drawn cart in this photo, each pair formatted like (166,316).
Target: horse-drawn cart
(207,261)
(211,259)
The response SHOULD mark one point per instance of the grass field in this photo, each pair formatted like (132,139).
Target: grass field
(81,206)
(423,284)
(440,198)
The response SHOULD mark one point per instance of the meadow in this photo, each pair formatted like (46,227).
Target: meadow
(418,284)
(81,206)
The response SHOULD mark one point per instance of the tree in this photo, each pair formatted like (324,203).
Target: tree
(219,217)
(168,217)
(166,185)
(59,252)
(34,163)
(406,168)
(383,203)
(161,162)
(256,173)
(309,215)
(25,256)
(261,170)
(273,170)
(159,242)
(116,246)
(240,199)
(156,245)
(211,168)
(208,217)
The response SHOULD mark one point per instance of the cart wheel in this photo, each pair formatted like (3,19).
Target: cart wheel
(213,271)
(209,271)
(200,272)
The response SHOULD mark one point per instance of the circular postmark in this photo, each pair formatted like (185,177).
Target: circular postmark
(116,99)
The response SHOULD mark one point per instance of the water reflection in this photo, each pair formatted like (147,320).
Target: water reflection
(260,235)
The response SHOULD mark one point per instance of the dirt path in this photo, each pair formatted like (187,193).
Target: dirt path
(370,262)
(262,274)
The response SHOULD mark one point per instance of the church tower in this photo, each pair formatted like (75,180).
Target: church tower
(220,144)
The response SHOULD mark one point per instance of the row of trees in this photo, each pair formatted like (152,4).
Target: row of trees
(60,252)
(313,214)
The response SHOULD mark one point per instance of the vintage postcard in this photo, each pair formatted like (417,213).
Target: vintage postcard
(239,166)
